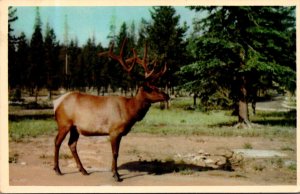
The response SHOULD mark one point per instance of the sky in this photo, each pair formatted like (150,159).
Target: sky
(85,22)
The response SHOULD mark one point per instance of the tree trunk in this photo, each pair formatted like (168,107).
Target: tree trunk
(243,112)
(165,104)
(49,94)
(195,99)
(36,94)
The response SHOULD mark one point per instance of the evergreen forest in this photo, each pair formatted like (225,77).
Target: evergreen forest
(233,56)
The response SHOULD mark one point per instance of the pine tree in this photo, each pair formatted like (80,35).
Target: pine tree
(75,65)
(37,72)
(166,41)
(142,33)
(22,60)
(89,62)
(66,60)
(240,50)
(11,18)
(51,60)
(13,68)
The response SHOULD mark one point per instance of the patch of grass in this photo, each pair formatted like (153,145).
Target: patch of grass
(133,151)
(30,128)
(215,123)
(287,148)
(45,156)
(65,156)
(176,116)
(247,146)
(292,167)
(187,172)
(259,167)
(13,158)
(177,121)
(287,119)
(278,162)
(169,159)
(238,176)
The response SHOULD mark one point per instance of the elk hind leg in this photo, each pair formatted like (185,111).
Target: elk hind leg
(74,136)
(62,132)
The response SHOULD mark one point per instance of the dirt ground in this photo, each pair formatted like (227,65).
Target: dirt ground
(147,160)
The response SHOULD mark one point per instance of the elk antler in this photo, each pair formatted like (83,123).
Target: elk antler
(149,74)
(127,64)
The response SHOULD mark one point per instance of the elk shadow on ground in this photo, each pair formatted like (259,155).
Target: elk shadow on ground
(156,167)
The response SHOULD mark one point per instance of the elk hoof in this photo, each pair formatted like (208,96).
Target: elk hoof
(57,171)
(84,172)
(117,177)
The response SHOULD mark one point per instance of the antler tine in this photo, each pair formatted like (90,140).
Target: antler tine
(153,77)
(122,48)
(124,63)
(109,52)
(149,74)
(131,60)
(144,64)
(145,53)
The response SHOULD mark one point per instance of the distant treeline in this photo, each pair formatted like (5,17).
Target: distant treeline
(41,61)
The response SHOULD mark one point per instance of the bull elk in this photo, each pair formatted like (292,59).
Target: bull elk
(114,116)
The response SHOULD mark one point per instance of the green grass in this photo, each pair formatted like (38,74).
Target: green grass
(292,167)
(178,121)
(275,118)
(247,146)
(30,128)
(215,123)
(175,121)
(287,148)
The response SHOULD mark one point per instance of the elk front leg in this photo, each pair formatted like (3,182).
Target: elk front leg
(74,136)
(62,132)
(115,144)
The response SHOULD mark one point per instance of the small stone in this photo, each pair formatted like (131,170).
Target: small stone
(228,153)
(209,161)
(221,161)
(201,152)
(225,152)
(197,158)
(214,166)
(23,163)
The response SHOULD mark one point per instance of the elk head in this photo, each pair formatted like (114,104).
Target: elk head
(147,90)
